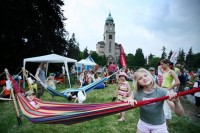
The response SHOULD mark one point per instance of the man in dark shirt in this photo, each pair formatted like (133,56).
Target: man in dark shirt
(183,80)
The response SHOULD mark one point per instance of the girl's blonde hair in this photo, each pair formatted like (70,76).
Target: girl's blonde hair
(135,77)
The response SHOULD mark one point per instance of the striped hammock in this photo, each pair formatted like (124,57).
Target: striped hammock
(72,113)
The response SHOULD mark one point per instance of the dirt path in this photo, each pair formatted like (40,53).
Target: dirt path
(189,108)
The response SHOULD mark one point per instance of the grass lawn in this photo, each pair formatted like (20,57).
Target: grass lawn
(108,124)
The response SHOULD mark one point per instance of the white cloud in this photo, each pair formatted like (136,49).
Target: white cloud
(145,24)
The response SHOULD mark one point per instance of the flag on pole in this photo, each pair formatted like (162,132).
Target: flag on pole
(174,57)
(89,58)
(122,56)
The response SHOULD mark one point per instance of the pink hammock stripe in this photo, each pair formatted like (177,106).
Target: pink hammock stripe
(71,113)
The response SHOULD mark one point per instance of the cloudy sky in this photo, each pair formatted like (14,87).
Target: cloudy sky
(145,24)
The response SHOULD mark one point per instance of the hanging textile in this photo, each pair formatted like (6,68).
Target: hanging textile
(122,57)
(69,113)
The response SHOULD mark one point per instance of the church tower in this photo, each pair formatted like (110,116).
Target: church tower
(108,45)
(109,38)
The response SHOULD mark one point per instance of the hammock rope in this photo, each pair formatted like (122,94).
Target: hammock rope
(2,73)
(17,74)
(72,113)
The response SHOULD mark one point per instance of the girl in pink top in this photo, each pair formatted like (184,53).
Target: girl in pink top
(123,91)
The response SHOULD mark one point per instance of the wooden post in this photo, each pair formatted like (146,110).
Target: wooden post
(16,108)
(13,98)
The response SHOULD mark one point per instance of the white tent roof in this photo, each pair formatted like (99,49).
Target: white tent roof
(86,62)
(51,58)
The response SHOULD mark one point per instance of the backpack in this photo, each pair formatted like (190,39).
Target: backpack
(196,84)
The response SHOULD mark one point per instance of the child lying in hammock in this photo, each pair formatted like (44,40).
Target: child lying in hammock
(51,82)
(30,95)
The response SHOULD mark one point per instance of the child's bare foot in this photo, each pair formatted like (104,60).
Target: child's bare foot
(121,119)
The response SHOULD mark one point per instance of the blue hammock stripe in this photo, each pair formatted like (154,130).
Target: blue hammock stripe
(86,88)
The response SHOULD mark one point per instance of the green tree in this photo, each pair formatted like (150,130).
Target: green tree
(196,61)
(154,62)
(85,53)
(73,48)
(95,57)
(170,54)
(130,61)
(102,60)
(189,59)
(139,60)
(164,55)
(181,57)
(30,28)
(151,56)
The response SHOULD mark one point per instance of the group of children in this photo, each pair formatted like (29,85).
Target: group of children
(153,117)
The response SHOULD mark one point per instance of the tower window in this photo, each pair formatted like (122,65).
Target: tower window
(109,47)
(110,36)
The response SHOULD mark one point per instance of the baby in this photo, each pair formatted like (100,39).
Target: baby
(30,95)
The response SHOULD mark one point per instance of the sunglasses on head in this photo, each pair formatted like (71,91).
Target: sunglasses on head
(31,95)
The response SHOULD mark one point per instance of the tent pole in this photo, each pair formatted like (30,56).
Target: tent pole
(24,63)
(67,70)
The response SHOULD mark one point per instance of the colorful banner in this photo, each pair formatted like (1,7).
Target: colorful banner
(122,57)
(174,57)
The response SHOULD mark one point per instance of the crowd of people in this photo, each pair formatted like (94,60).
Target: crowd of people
(167,80)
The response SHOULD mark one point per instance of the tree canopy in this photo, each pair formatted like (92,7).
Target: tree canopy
(36,27)
(30,28)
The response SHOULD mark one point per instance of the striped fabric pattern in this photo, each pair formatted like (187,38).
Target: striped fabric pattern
(71,113)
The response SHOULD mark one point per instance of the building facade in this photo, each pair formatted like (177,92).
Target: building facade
(108,46)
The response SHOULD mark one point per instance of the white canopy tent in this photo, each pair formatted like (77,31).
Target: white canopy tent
(86,62)
(52,58)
